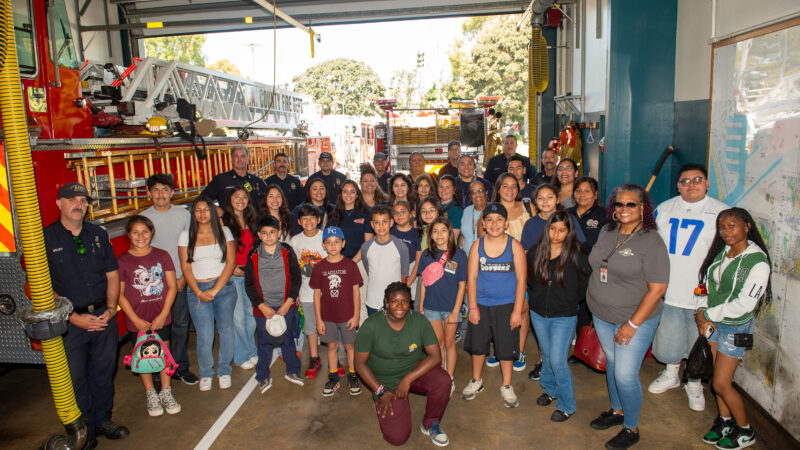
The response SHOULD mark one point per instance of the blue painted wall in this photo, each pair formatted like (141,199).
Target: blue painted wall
(690,138)
(641,91)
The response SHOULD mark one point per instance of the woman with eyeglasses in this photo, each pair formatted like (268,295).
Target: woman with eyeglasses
(471,228)
(630,272)
(566,173)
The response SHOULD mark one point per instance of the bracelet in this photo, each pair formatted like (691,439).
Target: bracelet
(633,325)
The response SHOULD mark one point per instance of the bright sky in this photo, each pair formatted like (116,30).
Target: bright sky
(384,46)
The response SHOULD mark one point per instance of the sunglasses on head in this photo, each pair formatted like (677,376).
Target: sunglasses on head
(629,205)
(81,248)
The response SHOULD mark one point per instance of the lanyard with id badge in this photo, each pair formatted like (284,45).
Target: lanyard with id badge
(618,244)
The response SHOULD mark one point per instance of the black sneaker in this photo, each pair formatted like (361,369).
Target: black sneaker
(536,373)
(352,380)
(331,386)
(624,439)
(738,438)
(560,416)
(607,419)
(719,430)
(544,400)
(186,376)
(112,431)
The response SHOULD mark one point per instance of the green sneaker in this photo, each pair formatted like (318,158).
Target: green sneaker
(719,430)
(738,438)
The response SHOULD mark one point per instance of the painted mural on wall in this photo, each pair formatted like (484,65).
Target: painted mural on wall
(754,163)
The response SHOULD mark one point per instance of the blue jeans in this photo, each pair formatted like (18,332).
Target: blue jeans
(180,330)
(555,337)
(204,315)
(244,325)
(623,364)
(287,348)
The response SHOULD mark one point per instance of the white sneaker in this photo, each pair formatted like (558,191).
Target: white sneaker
(510,399)
(694,390)
(168,401)
(224,381)
(205,384)
(154,407)
(250,363)
(472,389)
(668,379)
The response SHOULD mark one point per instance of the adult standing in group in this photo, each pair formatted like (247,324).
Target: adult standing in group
(380,163)
(290,185)
(170,221)
(466,175)
(396,353)
(316,195)
(217,189)
(549,161)
(333,180)
(516,166)
(84,270)
(371,191)
(416,165)
(451,168)
(591,216)
(498,164)
(630,271)
(687,224)
(471,228)
(566,173)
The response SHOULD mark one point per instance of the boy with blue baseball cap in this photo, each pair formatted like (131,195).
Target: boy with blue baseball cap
(337,303)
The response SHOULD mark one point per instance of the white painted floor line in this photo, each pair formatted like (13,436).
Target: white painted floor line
(222,421)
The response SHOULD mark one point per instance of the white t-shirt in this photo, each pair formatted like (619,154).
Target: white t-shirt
(385,263)
(169,226)
(687,230)
(309,252)
(207,261)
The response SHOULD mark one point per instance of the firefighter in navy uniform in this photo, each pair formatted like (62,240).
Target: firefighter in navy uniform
(84,270)
(290,185)
(333,180)
(218,188)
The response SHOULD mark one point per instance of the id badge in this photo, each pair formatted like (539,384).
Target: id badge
(604,273)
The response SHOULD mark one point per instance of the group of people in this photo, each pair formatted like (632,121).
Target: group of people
(398,277)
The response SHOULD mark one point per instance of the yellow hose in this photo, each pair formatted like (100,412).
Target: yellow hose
(538,78)
(26,203)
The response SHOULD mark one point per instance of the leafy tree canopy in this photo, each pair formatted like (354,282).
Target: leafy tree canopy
(492,59)
(186,48)
(404,86)
(342,85)
(225,66)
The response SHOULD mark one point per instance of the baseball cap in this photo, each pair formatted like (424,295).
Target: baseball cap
(72,190)
(325,155)
(495,208)
(332,232)
(379,155)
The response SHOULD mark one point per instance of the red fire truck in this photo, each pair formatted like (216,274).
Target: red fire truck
(109,127)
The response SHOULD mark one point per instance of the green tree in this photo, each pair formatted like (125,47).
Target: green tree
(225,66)
(492,59)
(187,48)
(404,87)
(342,85)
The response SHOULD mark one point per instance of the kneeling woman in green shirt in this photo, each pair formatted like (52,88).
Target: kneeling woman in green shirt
(396,353)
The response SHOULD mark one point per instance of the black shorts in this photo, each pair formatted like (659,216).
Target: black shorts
(494,325)
(165,333)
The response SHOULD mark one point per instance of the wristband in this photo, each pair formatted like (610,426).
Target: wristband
(633,325)
(380,391)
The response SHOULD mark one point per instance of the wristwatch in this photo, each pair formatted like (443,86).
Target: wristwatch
(380,391)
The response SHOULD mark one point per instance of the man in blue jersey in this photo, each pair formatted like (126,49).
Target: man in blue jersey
(687,223)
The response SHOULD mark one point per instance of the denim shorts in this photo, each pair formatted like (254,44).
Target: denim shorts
(433,316)
(723,336)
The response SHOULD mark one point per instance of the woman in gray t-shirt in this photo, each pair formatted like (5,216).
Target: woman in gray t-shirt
(630,271)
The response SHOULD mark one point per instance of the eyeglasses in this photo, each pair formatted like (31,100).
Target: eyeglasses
(629,205)
(81,248)
(566,169)
(479,191)
(427,211)
(695,180)
(400,212)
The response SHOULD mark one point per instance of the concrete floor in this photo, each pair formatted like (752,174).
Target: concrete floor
(289,416)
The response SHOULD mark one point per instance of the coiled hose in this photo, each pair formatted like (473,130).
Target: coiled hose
(26,204)
(538,78)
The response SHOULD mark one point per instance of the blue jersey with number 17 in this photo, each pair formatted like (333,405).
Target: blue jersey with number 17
(688,230)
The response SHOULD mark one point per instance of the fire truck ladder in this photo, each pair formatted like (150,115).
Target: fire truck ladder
(231,101)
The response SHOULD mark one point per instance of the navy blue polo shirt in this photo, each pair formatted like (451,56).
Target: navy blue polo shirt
(463,186)
(333,182)
(221,184)
(591,222)
(383,182)
(80,278)
(542,178)
(292,189)
(498,164)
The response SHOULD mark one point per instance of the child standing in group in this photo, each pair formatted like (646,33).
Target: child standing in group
(558,274)
(272,279)
(496,290)
(443,268)
(402,229)
(336,281)
(385,258)
(147,290)
(310,251)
